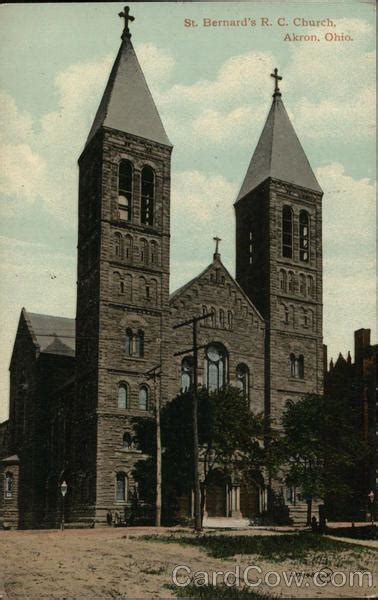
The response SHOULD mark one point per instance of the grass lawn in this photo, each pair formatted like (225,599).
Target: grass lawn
(275,548)
(221,593)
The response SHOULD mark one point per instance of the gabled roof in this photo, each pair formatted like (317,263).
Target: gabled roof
(127,104)
(53,335)
(218,263)
(279,154)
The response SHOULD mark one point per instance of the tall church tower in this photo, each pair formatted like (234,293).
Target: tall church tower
(279,258)
(123,285)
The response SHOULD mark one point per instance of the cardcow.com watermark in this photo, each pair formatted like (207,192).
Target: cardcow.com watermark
(252,576)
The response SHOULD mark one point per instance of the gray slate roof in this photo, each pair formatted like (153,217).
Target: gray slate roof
(54,335)
(279,155)
(127,104)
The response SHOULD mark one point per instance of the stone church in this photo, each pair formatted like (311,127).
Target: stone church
(76,384)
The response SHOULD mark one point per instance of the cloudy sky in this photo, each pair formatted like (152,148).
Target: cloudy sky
(213,91)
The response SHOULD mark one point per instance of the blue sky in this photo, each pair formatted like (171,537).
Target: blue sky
(213,91)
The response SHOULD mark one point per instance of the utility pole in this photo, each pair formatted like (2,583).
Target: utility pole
(153,374)
(197,488)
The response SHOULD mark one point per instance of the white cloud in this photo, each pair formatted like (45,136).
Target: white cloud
(157,63)
(23,172)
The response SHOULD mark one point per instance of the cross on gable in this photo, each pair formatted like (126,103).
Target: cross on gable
(217,240)
(276,78)
(126,15)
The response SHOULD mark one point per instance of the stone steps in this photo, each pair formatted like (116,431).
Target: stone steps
(225,523)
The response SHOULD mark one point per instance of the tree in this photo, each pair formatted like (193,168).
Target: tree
(322,443)
(230,439)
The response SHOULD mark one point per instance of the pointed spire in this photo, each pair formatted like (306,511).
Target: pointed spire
(349,358)
(331,364)
(278,154)
(127,104)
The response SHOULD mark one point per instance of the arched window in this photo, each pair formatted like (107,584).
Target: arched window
(297,366)
(121,487)
(302,284)
(148,196)
(128,247)
(154,253)
(8,487)
(129,342)
(283,281)
(143,291)
(251,247)
(154,290)
(304,236)
(230,319)
(242,379)
(129,286)
(286,315)
(139,343)
(123,396)
(143,398)
(291,285)
(186,373)
(310,286)
(125,188)
(213,317)
(144,251)
(222,319)
(287,232)
(127,441)
(118,244)
(215,367)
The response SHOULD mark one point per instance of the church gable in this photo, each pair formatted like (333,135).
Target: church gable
(216,291)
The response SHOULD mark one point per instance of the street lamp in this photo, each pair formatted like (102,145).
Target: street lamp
(371,497)
(63,490)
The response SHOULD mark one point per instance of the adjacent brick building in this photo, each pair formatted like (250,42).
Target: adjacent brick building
(77,385)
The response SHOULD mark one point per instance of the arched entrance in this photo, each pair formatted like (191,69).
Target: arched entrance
(249,501)
(216,495)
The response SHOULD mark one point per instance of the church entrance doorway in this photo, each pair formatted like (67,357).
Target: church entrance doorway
(249,501)
(216,495)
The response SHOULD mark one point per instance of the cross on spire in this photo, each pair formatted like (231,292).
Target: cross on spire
(216,240)
(125,15)
(276,78)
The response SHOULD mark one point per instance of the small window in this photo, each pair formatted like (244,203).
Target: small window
(8,488)
(148,196)
(251,247)
(287,232)
(230,319)
(144,251)
(283,281)
(121,487)
(125,178)
(291,282)
(222,318)
(242,379)
(302,285)
(154,253)
(118,245)
(129,342)
(127,442)
(186,373)
(310,286)
(143,398)
(123,396)
(139,343)
(128,247)
(304,236)
(297,366)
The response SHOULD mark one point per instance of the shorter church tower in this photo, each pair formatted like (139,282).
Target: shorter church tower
(279,258)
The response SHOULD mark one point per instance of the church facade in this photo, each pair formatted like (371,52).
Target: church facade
(77,384)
